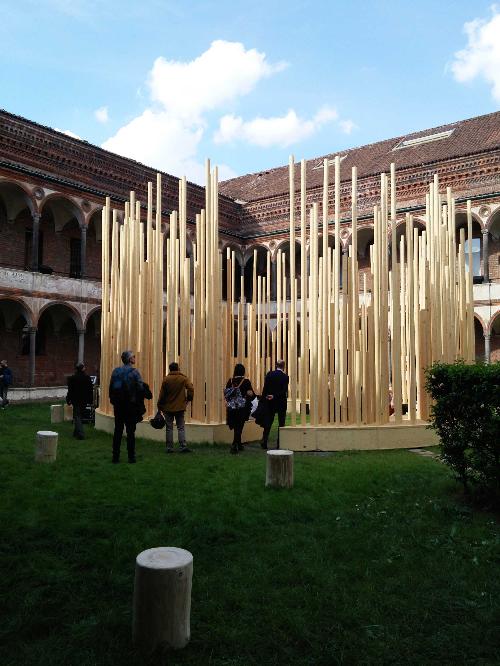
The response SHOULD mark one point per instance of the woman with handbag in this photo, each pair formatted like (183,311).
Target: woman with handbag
(238,396)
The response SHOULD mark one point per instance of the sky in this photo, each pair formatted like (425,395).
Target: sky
(171,83)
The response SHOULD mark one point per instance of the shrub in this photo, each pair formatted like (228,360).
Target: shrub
(466,417)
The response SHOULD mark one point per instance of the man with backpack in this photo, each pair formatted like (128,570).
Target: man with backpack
(126,389)
(176,391)
(5,382)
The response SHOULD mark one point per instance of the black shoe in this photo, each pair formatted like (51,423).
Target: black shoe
(233,449)
(263,445)
(115,461)
(170,450)
(131,460)
(185,449)
(241,447)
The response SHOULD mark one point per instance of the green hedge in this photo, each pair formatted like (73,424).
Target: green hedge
(466,417)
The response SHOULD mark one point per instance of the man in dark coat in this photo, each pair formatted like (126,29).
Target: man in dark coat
(275,392)
(80,394)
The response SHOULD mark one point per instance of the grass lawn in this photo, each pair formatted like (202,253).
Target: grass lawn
(371,559)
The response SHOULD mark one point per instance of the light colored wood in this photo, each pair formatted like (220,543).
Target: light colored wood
(279,469)
(46,446)
(56,414)
(162,598)
(354,347)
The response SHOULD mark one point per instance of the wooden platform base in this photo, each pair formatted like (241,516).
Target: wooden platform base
(357,438)
(195,432)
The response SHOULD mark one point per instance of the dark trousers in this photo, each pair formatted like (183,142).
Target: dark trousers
(125,416)
(239,424)
(3,394)
(279,409)
(77,421)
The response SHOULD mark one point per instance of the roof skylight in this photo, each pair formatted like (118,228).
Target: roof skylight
(427,138)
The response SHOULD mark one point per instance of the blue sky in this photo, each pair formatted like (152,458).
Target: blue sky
(246,84)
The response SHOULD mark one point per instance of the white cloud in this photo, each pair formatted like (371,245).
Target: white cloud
(168,133)
(220,74)
(280,131)
(101,114)
(68,133)
(481,57)
(347,126)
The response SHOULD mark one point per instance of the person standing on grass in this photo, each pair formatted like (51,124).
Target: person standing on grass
(275,391)
(125,391)
(5,382)
(176,391)
(238,395)
(80,394)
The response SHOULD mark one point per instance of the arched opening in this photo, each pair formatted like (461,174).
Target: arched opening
(401,233)
(61,238)
(15,339)
(16,226)
(94,247)
(261,269)
(58,330)
(478,339)
(237,271)
(495,339)
(476,244)
(494,247)
(92,345)
(366,239)
(285,249)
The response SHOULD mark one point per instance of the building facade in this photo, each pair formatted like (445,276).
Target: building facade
(52,189)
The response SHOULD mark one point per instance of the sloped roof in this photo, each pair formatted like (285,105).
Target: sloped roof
(465,137)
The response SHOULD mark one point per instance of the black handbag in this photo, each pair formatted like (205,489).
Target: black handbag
(158,421)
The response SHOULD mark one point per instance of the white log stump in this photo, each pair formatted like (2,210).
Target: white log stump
(279,470)
(46,446)
(56,413)
(68,412)
(162,598)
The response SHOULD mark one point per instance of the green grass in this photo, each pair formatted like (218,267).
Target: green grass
(372,558)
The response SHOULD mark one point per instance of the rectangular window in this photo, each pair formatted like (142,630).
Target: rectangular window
(476,256)
(75,257)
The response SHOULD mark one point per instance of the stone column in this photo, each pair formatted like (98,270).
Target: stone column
(83,252)
(81,345)
(486,256)
(487,347)
(35,240)
(32,365)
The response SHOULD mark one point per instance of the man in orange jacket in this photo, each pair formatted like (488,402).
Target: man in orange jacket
(176,391)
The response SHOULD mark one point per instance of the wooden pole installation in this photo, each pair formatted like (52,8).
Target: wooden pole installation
(355,346)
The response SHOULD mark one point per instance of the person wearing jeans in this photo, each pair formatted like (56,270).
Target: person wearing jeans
(126,389)
(176,391)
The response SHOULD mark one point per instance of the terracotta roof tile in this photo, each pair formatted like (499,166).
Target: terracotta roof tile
(478,134)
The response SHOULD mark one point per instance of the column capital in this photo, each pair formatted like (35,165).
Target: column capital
(487,336)
(485,232)
(32,329)
(36,217)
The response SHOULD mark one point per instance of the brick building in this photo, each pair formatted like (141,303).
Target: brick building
(52,188)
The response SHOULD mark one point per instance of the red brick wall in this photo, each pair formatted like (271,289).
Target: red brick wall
(12,240)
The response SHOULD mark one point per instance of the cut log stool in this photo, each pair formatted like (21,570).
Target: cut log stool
(56,413)
(162,598)
(279,471)
(68,412)
(46,446)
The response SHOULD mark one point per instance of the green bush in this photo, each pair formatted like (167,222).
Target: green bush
(466,417)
